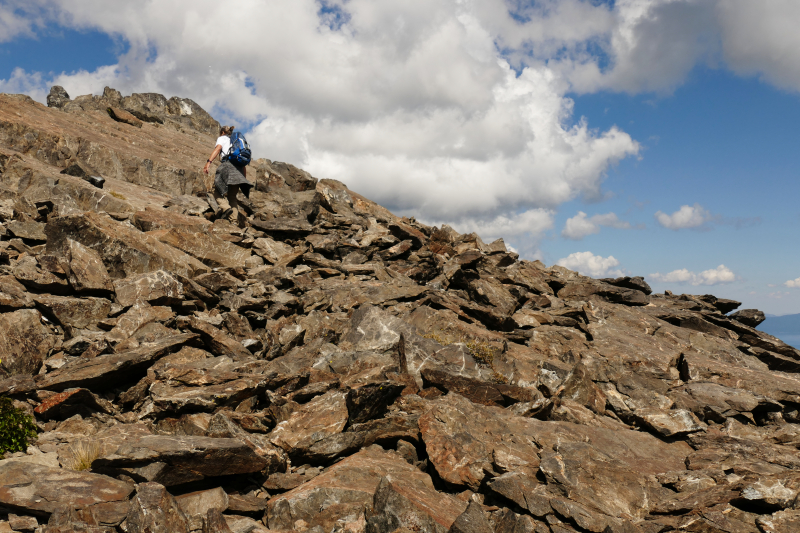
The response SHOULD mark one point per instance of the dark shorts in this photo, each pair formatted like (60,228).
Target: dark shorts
(229,174)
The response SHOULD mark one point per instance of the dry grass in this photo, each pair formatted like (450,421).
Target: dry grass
(481,351)
(440,337)
(115,194)
(83,453)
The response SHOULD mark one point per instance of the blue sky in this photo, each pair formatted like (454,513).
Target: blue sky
(564,126)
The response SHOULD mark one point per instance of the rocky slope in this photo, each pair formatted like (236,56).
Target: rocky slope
(332,367)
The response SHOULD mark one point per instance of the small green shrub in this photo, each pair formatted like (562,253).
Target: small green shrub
(17,428)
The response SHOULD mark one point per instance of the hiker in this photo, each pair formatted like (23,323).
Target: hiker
(229,178)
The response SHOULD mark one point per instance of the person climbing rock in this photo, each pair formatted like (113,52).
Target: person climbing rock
(229,177)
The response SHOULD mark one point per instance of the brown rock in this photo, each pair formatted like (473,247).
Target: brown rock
(200,502)
(353,483)
(120,115)
(322,416)
(31,231)
(161,219)
(107,370)
(370,400)
(124,250)
(604,291)
(466,442)
(156,288)
(205,246)
(65,404)
(13,294)
(85,268)
(40,490)
(22,523)
(219,342)
(154,510)
(29,274)
(472,520)
(234,388)
(81,313)
(215,523)
(272,251)
(173,460)
(136,318)
(24,342)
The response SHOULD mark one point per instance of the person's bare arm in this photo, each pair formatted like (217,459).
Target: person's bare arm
(214,154)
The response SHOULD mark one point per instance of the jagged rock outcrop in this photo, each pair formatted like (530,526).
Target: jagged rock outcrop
(328,366)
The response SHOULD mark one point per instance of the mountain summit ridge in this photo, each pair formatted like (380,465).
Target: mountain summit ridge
(329,366)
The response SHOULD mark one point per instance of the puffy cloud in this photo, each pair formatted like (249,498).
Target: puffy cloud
(532,222)
(19,18)
(793,283)
(688,216)
(761,38)
(446,110)
(581,225)
(713,276)
(413,104)
(592,265)
(652,45)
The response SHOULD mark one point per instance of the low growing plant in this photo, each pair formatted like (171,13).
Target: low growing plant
(83,453)
(17,428)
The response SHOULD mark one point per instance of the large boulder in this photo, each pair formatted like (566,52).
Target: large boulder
(154,510)
(354,484)
(25,341)
(124,250)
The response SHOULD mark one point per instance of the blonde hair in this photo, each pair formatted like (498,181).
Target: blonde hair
(226,130)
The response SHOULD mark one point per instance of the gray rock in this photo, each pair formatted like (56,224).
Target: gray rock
(57,97)
(749,317)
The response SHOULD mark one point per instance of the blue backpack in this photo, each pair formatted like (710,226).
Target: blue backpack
(240,153)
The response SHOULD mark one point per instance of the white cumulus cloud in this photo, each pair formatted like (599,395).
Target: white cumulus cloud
(581,225)
(592,265)
(412,104)
(713,276)
(793,283)
(688,216)
(445,110)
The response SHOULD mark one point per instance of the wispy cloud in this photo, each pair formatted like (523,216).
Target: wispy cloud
(581,225)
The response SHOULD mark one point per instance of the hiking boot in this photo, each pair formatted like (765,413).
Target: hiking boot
(225,214)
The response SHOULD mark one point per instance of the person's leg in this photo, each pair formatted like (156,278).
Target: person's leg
(222,202)
(233,190)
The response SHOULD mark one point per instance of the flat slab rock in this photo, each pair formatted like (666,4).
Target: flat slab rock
(106,370)
(41,490)
(173,460)
(157,288)
(124,250)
